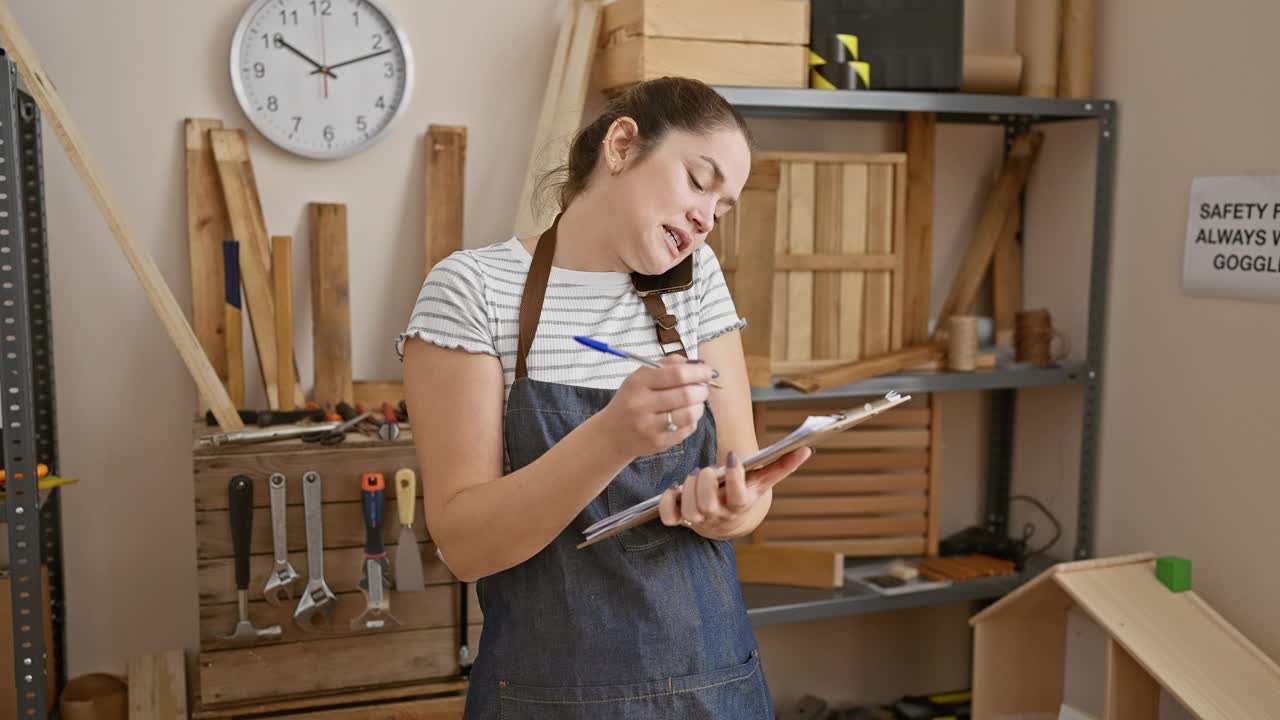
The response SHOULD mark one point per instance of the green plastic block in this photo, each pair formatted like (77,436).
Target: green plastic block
(1174,572)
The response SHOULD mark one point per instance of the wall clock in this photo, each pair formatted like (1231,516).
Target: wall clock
(324,79)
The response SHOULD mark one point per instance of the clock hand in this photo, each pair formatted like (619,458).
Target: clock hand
(299,53)
(353,60)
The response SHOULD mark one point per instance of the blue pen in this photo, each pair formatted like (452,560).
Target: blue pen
(604,348)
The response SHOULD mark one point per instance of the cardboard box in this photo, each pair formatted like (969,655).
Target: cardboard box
(761,43)
(8,695)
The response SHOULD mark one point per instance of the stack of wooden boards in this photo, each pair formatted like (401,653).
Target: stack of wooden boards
(721,42)
(415,660)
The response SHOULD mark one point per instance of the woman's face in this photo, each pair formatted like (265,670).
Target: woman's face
(671,199)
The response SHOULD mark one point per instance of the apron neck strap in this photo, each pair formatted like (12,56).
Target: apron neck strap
(535,289)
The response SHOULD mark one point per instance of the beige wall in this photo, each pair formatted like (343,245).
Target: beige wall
(1183,471)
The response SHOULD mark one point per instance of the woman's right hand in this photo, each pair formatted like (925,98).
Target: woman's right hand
(636,417)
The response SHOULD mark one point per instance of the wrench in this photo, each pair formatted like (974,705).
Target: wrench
(283,575)
(317,599)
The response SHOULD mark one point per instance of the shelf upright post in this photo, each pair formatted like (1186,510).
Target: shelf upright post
(18,401)
(1099,279)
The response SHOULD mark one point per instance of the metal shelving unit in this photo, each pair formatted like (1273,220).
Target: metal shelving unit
(1015,114)
(32,517)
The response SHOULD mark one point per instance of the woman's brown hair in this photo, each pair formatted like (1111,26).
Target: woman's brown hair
(657,107)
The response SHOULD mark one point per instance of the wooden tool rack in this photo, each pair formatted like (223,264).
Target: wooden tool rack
(414,665)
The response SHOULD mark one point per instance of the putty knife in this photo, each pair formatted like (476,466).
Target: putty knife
(408,562)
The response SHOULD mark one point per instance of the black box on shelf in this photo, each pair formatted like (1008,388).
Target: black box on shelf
(908,44)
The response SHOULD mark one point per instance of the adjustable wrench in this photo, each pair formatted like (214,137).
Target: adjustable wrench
(283,575)
(317,599)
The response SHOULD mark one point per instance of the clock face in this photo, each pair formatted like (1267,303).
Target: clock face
(321,78)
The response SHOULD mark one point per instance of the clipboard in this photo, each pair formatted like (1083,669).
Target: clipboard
(812,431)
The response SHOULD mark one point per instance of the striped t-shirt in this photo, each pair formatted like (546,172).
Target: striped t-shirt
(471,300)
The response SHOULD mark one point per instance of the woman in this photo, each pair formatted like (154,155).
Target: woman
(526,437)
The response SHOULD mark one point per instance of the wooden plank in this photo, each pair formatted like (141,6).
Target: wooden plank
(827,229)
(338,470)
(853,225)
(871,366)
(445,708)
(899,252)
(934,512)
(343,527)
(372,393)
(917,264)
(861,547)
(525,223)
(330,303)
(342,571)
(1004,196)
(1018,665)
(758,21)
(445,187)
(1131,692)
(55,113)
(326,664)
(847,505)
(841,528)
(866,439)
(755,281)
(435,607)
(206,231)
(638,59)
(781,285)
(1006,279)
(800,567)
(800,242)
(157,686)
(850,483)
(234,322)
(436,688)
(877,302)
(829,460)
(825,262)
(282,296)
(565,111)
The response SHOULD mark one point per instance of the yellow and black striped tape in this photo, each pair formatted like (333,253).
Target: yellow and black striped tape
(834,63)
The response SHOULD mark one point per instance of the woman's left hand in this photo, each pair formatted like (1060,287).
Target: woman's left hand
(703,506)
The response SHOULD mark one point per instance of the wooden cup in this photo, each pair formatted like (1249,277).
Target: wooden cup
(962,343)
(1033,337)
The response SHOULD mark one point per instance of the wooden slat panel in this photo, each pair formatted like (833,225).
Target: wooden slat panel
(427,690)
(934,512)
(434,607)
(862,460)
(206,231)
(826,263)
(862,439)
(878,297)
(339,471)
(851,527)
(755,280)
(864,547)
(799,484)
(330,303)
(847,505)
(343,527)
(800,242)
(898,290)
(853,226)
(323,665)
(342,571)
(827,201)
(781,286)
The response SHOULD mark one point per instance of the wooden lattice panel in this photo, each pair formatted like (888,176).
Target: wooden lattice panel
(813,256)
(868,491)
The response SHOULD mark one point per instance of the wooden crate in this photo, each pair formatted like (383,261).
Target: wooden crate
(813,256)
(869,491)
(302,666)
(721,42)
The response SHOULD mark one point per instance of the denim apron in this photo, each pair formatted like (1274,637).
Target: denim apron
(648,624)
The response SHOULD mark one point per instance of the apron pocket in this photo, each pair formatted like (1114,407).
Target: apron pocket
(736,692)
(642,479)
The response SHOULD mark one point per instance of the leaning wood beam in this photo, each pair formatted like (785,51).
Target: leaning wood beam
(162,300)
(918,254)
(882,364)
(206,232)
(445,182)
(1000,204)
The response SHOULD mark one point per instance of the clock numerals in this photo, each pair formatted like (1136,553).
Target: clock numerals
(377,41)
(380,103)
(259,70)
(361,125)
(286,15)
(273,103)
(322,7)
(328,133)
(297,122)
(391,70)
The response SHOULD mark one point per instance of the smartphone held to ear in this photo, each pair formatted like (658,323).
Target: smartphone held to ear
(676,279)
